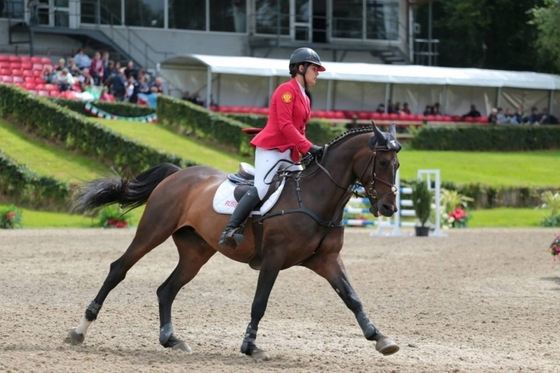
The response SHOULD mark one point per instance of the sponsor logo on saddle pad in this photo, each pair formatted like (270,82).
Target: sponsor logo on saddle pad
(224,202)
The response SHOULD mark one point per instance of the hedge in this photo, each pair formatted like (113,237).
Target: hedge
(72,131)
(22,186)
(487,138)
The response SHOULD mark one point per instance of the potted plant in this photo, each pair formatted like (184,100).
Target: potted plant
(422,205)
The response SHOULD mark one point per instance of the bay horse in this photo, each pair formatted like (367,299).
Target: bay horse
(303,228)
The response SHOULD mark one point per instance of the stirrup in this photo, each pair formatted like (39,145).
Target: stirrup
(231,238)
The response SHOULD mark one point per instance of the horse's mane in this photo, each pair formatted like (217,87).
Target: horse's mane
(351,132)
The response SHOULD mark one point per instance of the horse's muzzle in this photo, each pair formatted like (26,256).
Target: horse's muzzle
(384,209)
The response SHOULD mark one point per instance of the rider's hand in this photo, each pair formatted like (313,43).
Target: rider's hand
(315,149)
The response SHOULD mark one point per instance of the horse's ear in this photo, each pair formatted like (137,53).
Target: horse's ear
(377,138)
(393,129)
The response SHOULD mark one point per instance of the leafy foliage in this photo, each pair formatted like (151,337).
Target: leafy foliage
(421,200)
(545,19)
(10,217)
(114,217)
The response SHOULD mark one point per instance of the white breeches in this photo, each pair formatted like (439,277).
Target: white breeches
(266,165)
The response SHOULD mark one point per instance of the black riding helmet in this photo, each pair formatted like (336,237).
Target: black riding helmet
(304,56)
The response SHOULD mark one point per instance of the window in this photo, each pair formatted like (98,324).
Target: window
(187,14)
(382,20)
(228,15)
(347,19)
(272,17)
(109,11)
(145,13)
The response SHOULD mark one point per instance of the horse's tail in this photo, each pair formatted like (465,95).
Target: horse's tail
(127,193)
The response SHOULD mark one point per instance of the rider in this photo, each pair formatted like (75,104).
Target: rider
(283,137)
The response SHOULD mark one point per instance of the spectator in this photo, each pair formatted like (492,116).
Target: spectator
(492,118)
(473,113)
(405,108)
(436,109)
(391,108)
(109,71)
(150,99)
(82,60)
(85,79)
(48,74)
(517,117)
(143,86)
(547,118)
(73,68)
(186,96)
(353,123)
(106,96)
(502,118)
(158,83)
(130,70)
(96,68)
(61,65)
(534,117)
(429,110)
(64,79)
(131,90)
(397,108)
(105,59)
(380,108)
(117,85)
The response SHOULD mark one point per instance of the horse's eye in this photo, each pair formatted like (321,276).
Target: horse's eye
(383,163)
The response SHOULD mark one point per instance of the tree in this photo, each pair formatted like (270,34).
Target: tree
(545,19)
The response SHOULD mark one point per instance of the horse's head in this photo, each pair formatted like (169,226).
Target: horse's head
(377,167)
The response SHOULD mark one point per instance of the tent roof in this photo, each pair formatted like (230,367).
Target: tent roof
(375,73)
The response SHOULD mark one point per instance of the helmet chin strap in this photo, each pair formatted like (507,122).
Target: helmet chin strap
(305,66)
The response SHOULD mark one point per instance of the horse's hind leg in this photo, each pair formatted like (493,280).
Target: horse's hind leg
(330,267)
(144,241)
(194,252)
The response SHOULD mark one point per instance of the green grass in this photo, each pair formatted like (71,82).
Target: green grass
(507,217)
(538,168)
(46,219)
(161,138)
(45,159)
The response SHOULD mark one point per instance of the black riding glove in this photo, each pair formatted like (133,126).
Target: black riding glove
(311,154)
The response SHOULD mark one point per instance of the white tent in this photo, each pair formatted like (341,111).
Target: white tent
(249,81)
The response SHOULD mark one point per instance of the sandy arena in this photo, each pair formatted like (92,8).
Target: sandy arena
(478,300)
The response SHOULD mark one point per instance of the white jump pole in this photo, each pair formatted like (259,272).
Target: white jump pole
(435,175)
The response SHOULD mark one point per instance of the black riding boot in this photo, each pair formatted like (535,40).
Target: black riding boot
(230,237)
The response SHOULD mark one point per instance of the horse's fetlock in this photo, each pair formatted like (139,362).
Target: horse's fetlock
(165,334)
(92,311)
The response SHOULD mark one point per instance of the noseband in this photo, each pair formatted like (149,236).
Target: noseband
(371,192)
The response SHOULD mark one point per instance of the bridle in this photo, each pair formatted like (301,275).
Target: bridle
(369,188)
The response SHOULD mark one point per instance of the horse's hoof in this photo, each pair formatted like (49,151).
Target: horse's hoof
(182,346)
(74,338)
(386,346)
(260,355)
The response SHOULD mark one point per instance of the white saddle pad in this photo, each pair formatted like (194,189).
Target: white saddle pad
(224,202)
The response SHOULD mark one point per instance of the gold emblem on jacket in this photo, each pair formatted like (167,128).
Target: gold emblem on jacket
(287,97)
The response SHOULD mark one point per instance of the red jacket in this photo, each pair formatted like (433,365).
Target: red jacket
(288,115)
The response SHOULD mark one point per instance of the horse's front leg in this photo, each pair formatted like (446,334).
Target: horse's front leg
(271,265)
(331,267)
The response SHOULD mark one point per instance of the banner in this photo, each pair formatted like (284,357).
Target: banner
(103,114)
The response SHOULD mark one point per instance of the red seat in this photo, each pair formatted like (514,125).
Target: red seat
(26,65)
(482,119)
(407,117)
(43,93)
(3,57)
(27,73)
(46,60)
(50,87)
(4,65)
(13,58)
(40,80)
(37,66)
(7,79)
(35,59)
(17,72)
(40,87)
(385,116)
(394,116)
(29,79)
(25,58)
(54,93)
(4,71)
(447,118)
(365,115)
(30,85)
(37,73)
(15,65)
(431,118)
(17,79)
(469,119)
